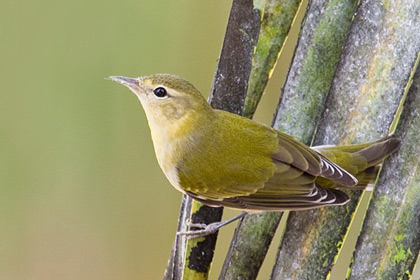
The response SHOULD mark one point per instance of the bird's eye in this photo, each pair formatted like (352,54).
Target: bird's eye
(160,92)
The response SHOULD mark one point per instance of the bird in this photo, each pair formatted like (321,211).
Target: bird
(223,159)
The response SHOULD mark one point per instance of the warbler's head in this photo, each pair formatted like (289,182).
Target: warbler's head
(166,98)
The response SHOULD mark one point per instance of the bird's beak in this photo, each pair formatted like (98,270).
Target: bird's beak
(131,83)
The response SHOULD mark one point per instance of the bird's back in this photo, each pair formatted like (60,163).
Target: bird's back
(233,158)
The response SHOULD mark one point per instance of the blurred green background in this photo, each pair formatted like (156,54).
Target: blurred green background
(81,194)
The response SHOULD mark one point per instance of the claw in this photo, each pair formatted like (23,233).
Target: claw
(204,230)
(196,225)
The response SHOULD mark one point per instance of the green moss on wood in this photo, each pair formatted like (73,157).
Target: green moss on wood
(277,19)
(313,68)
(390,240)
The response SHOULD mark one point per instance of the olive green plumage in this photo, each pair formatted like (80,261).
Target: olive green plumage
(222,159)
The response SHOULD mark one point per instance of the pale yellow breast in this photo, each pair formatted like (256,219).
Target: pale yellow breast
(171,143)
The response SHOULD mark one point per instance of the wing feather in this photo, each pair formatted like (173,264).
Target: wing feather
(310,161)
(279,174)
(301,156)
(323,197)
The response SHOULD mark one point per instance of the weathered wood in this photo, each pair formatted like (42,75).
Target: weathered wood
(199,251)
(230,83)
(369,82)
(390,240)
(176,259)
(249,246)
(277,20)
(254,233)
(332,23)
(321,42)
(228,93)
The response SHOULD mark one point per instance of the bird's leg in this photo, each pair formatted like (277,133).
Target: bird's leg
(210,228)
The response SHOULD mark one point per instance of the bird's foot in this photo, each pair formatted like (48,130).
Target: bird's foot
(204,230)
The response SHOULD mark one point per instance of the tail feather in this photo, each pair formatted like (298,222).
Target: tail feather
(363,160)
(367,178)
(375,153)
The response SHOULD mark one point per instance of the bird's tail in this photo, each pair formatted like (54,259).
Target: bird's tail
(361,160)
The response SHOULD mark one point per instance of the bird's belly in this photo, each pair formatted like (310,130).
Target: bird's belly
(167,157)
(173,177)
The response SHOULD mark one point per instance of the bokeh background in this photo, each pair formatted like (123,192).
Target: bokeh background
(81,194)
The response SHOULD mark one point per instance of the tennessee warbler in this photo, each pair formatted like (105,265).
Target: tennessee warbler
(222,159)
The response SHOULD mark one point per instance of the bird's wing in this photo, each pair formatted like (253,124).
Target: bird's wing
(306,159)
(266,166)
(319,197)
(289,189)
